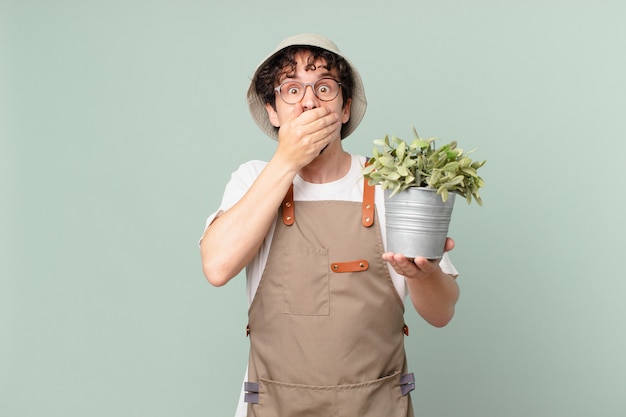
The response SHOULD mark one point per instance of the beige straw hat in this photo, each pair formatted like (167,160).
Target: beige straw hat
(359,103)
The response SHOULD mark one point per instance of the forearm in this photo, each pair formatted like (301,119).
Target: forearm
(434,296)
(234,237)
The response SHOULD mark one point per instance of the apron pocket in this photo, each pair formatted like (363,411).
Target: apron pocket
(278,399)
(381,397)
(378,398)
(306,283)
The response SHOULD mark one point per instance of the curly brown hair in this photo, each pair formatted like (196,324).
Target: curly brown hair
(268,76)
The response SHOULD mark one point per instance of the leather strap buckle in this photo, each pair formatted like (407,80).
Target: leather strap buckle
(367,209)
(351,266)
(289,216)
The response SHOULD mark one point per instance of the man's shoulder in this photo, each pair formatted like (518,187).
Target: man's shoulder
(252,165)
(249,169)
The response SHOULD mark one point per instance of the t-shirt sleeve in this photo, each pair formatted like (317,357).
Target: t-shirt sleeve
(447,267)
(240,182)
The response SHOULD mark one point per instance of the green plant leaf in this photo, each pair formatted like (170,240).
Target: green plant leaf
(456,180)
(400,151)
(469,171)
(386,161)
(451,167)
(368,169)
(419,144)
(443,192)
(477,164)
(392,176)
(404,171)
(396,190)
(397,165)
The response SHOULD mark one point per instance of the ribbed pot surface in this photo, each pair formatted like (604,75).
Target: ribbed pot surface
(417,222)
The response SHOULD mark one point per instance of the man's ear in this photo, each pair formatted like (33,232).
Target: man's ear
(272,115)
(345,112)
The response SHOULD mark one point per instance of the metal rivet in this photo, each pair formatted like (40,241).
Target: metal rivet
(368,206)
(335,266)
(367,219)
(288,217)
(362,265)
(287,204)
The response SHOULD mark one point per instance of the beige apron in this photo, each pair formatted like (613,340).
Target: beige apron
(326,324)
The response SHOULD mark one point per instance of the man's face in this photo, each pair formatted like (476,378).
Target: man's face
(307,73)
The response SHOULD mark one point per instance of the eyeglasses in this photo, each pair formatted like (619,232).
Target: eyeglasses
(292,92)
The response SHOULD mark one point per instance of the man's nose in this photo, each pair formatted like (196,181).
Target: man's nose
(310,100)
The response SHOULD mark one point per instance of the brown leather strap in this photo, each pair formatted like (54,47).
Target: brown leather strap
(367,217)
(367,212)
(289,216)
(352,266)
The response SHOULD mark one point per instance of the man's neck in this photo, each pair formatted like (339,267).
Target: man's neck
(331,165)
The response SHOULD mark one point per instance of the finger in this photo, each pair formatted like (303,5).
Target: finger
(399,263)
(425,264)
(449,245)
(298,121)
(318,119)
(308,116)
(331,122)
(296,111)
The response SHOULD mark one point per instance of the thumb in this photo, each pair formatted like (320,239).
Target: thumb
(449,245)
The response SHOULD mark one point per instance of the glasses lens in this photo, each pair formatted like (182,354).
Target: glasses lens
(326,89)
(292,92)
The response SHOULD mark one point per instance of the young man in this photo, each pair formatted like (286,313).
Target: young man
(326,309)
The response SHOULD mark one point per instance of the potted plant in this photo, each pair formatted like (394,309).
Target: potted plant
(420,182)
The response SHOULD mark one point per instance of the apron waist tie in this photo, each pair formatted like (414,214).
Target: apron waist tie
(407,383)
(252,392)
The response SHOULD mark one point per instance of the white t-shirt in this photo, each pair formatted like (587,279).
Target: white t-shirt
(348,188)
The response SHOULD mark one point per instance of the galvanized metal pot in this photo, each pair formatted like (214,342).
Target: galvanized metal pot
(417,222)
